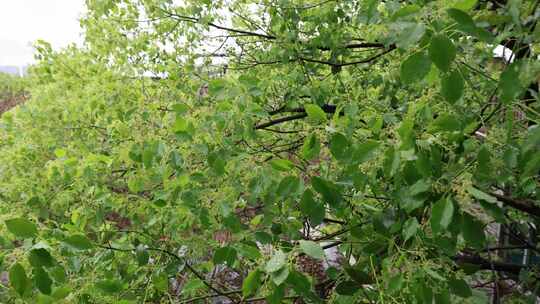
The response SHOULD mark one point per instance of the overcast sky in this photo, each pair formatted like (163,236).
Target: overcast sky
(24,21)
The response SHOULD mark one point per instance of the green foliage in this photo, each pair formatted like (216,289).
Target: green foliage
(384,132)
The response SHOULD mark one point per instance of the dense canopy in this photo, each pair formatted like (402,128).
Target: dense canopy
(278,151)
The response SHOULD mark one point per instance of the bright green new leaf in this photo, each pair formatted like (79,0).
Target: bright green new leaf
(251,283)
(180,125)
(316,115)
(465,5)
(282,164)
(180,108)
(61,292)
(21,227)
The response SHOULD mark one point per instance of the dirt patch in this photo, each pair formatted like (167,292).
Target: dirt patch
(8,102)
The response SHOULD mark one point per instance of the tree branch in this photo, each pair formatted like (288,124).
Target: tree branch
(280,120)
(484,264)
(526,205)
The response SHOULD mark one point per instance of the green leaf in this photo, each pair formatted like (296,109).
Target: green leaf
(288,187)
(465,5)
(452,87)
(299,282)
(180,125)
(483,166)
(311,147)
(441,215)
(282,164)
(406,11)
(420,186)
(40,257)
(251,283)
(225,255)
(472,231)
(312,249)
(109,286)
(21,227)
(460,288)
(217,162)
(410,227)
(359,276)
(79,241)
(316,115)
(391,162)
(280,276)
(160,281)
(409,34)
(60,293)
(142,255)
(442,52)
(339,147)
(509,84)
(277,261)
(18,279)
(365,151)
(465,21)
(180,108)
(328,190)
(415,68)
(250,251)
(466,24)
(446,122)
(44,299)
(347,288)
(395,283)
(481,195)
(312,208)
(42,280)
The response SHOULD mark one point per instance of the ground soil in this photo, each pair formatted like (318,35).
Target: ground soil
(10,101)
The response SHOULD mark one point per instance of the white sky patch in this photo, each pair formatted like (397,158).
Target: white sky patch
(22,22)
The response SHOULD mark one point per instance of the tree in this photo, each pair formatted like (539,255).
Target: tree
(269,132)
